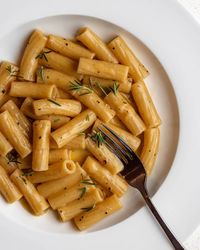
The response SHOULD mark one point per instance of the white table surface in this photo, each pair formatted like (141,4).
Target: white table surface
(193,6)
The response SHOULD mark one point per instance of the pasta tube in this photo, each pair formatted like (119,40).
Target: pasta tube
(14,135)
(109,160)
(25,163)
(50,76)
(68,48)
(78,155)
(114,183)
(63,94)
(58,155)
(77,143)
(99,83)
(29,60)
(76,207)
(52,187)
(117,122)
(8,165)
(97,212)
(8,73)
(51,59)
(41,136)
(132,141)
(150,148)
(126,113)
(95,44)
(126,56)
(103,69)
(74,127)
(56,120)
(34,199)
(91,100)
(20,119)
(64,197)
(145,105)
(37,91)
(56,170)
(7,188)
(5,146)
(57,106)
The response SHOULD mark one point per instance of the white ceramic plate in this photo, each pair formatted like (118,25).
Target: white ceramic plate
(166,39)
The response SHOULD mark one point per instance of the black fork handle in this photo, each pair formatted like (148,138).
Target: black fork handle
(171,237)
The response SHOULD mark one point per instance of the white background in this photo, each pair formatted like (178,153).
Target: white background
(193,6)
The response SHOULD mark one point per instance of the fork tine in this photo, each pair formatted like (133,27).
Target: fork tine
(133,156)
(119,139)
(121,150)
(113,146)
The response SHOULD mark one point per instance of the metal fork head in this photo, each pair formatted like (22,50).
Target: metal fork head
(134,171)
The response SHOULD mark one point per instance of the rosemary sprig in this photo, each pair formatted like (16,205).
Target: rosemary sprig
(40,73)
(114,88)
(87,118)
(88,182)
(54,102)
(87,209)
(81,133)
(23,179)
(56,120)
(12,158)
(83,192)
(43,55)
(80,88)
(101,88)
(28,173)
(11,70)
(98,138)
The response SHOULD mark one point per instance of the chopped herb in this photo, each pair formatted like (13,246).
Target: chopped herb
(13,158)
(80,88)
(28,173)
(81,133)
(83,192)
(56,103)
(101,88)
(98,138)
(87,209)
(88,182)
(40,73)
(11,70)
(23,179)
(87,118)
(114,88)
(43,55)
(56,120)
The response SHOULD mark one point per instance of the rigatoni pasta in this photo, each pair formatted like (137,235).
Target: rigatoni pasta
(7,187)
(41,140)
(51,59)
(34,199)
(54,108)
(68,48)
(124,54)
(73,128)
(9,128)
(29,62)
(145,105)
(57,106)
(95,44)
(102,69)
(21,120)
(37,91)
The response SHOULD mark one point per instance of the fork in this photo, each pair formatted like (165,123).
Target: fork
(134,173)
